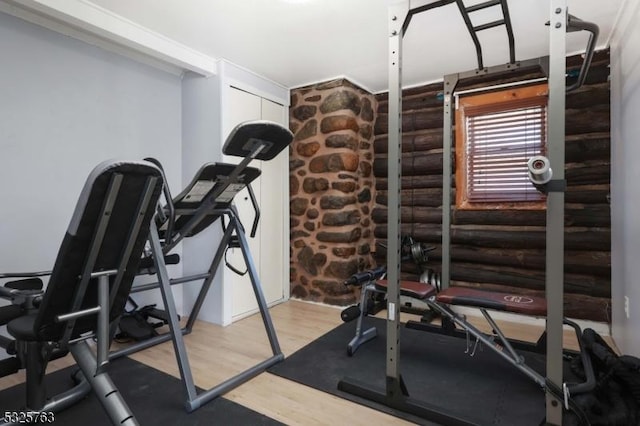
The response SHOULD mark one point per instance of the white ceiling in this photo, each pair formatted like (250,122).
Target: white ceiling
(296,42)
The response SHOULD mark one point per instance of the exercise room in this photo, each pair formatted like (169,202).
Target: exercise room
(319,212)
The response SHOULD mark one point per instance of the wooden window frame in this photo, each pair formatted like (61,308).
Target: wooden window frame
(491,102)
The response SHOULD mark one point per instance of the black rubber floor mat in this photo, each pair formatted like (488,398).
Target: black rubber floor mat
(482,389)
(154,397)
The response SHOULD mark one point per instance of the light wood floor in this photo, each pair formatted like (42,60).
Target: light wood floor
(217,353)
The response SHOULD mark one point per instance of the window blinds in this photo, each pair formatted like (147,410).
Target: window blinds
(500,140)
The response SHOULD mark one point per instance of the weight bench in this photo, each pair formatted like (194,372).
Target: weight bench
(497,341)
(440,302)
(87,289)
(208,199)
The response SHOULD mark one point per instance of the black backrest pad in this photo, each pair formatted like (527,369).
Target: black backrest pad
(73,254)
(208,180)
(243,139)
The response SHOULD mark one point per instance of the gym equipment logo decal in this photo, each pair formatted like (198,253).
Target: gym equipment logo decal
(517,299)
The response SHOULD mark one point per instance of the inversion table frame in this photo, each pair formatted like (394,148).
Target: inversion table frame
(399,18)
(261,140)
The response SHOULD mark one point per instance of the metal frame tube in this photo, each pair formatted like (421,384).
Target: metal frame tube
(172,281)
(501,336)
(511,357)
(144,344)
(77,314)
(555,205)
(107,393)
(206,285)
(176,337)
(450,83)
(102,330)
(396,18)
(36,359)
(257,288)
(370,333)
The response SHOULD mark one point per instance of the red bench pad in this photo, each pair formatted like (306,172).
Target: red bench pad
(414,289)
(521,304)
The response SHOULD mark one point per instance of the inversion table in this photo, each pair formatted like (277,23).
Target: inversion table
(208,199)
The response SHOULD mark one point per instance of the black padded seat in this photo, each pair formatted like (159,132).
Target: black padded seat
(9,312)
(413,289)
(22,328)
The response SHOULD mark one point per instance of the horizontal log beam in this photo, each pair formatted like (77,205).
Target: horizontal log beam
(578,194)
(411,214)
(412,164)
(594,239)
(587,194)
(578,120)
(430,118)
(587,120)
(588,173)
(529,279)
(582,216)
(588,96)
(421,140)
(429,197)
(597,263)
(576,262)
(413,182)
(586,147)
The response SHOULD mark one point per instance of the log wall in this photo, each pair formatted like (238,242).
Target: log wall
(505,249)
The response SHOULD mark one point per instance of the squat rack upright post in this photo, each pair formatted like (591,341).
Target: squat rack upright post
(554,276)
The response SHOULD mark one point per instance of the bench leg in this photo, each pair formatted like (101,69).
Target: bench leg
(36,359)
(107,393)
(361,336)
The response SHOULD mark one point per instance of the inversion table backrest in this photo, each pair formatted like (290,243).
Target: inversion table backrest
(215,184)
(212,178)
(108,231)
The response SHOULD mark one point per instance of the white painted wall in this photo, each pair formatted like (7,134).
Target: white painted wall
(201,143)
(625,177)
(65,106)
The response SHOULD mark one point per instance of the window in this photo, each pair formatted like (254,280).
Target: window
(496,134)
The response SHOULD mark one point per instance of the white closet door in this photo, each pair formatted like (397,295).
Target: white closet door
(243,106)
(274,238)
(271,188)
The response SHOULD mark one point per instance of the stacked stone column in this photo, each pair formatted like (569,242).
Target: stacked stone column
(331,184)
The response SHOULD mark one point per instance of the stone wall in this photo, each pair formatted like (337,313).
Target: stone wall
(331,183)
